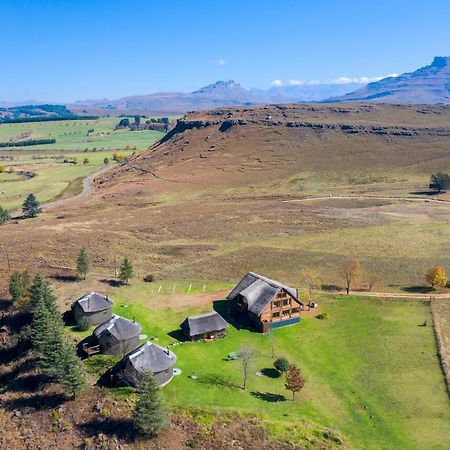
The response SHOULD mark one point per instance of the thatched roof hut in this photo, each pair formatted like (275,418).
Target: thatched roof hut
(149,357)
(94,307)
(204,326)
(118,336)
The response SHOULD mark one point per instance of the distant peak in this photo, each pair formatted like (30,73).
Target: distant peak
(218,85)
(441,61)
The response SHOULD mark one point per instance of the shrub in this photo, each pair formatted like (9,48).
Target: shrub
(322,316)
(282,365)
(149,278)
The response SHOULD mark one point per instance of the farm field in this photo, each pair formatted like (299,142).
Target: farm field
(51,165)
(371,368)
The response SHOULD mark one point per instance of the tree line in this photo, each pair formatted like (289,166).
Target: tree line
(28,142)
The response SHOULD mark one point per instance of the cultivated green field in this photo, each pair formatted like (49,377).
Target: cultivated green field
(371,369)
(53,176)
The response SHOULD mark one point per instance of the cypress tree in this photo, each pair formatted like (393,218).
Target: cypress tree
(126,271)
(31,207)
(83,262)
(150,413)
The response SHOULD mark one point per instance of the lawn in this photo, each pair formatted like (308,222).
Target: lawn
(371,369)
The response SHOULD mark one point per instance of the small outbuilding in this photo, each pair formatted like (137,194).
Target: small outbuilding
(149,357)
(266,303)
(94,307)
(117,336)
(204,326)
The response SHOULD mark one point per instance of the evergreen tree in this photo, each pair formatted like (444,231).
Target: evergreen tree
(4,216)
(83,262)
(25,284)
(150,413)
(31,207)
(15,288)
(70,371)
(126,271)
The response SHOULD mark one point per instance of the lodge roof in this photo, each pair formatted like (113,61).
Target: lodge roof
(259,291)
(93,302)
(119,327)
(151,357)
(204,323)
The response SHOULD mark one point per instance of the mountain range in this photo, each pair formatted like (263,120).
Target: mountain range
(427,85)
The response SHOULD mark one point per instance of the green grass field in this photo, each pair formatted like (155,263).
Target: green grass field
(371,370)
(52,175)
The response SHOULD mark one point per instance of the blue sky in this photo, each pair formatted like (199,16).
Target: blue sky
(58,50)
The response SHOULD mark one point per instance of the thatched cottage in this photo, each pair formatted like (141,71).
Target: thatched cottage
(266,303)
(204,326)
(149,357)
(94,307)
(117,336)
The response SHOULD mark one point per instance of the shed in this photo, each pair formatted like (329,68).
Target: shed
(204,326)
(94,307)
(149,357)
(117,336)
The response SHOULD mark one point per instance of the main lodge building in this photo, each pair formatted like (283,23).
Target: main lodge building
(266,303)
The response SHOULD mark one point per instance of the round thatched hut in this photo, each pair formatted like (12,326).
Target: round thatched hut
(117,336)
(148,357)
(94,307)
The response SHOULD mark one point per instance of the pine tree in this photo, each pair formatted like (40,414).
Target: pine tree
(4,216)
(150,413)
(70,371)
(31,207)
(126,271)
(15,288)
(83,262)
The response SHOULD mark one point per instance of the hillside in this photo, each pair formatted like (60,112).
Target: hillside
(427,85)
(26,113)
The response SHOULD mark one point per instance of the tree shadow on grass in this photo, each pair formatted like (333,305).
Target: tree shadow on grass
(270,372)
(27,383)
(66,278)
(111,282)
(331,287)
(121,428)
(418,289)
(219,381)
(37,402)
(269,397)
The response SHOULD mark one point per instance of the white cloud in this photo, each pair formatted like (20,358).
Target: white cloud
(296,82)
(220,62)
(276,83)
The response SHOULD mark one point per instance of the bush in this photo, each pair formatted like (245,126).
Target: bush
(322,316)
(83,325)
(281,364)
(149,278)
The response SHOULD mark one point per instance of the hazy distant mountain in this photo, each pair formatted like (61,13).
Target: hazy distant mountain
(430,84)
(305,92)
(221,93)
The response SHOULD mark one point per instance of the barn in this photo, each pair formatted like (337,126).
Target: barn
(149,357)
(266,303)
(117,336)
(93,307)
(204,326)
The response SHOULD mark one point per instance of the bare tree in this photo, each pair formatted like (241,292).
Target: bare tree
(372,279)
(350,270)
(247,357)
